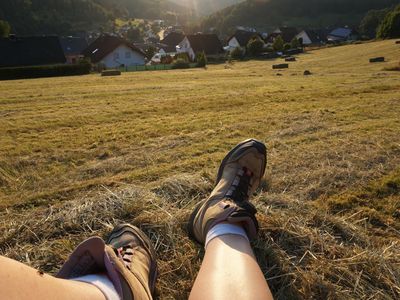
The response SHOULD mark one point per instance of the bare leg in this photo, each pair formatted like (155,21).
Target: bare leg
(18,281)
(230,271)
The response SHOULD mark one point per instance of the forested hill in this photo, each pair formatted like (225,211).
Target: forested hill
(150,9)
(47,16)
(69,16)
(307,13)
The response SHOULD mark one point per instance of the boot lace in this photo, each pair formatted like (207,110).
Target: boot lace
(125,253)
(239,190)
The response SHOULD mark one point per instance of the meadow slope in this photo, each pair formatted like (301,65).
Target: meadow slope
(79,154)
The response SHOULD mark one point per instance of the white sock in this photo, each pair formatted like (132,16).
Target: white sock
(224,229)
(103,283)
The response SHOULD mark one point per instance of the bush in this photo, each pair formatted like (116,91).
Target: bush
(278,44)
(269,49)
(201,59)
(255,46)
(287,47)
(166,60)
(181,64)
(44,71)
(182,56)
(237,53)
(390,26)
(4,29)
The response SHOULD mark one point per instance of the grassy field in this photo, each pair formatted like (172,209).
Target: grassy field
(78,154)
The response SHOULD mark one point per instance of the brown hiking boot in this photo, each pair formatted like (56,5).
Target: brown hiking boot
(129,260)
(238,177)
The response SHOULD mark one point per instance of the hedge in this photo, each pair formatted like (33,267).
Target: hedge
(181,64)
(44,71)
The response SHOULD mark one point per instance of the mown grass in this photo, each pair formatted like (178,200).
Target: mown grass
(78,155)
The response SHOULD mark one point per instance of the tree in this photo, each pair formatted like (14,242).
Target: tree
(295,43)
(390,26)
(201,59)
(150,51)
(370,23)
(255,46)
(286,47)
(237,53)
(134,35)
(4,28)
(278,44)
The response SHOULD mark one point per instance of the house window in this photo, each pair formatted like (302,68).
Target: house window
(127,54)
(116,55)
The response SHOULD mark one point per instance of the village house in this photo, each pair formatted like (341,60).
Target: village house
(240,39)
(312,37)
(197,43)
(287,34)
(169,43)
(30,51)
(73,47)
(342,34)
(114,52)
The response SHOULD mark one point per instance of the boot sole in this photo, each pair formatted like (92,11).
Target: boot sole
(236,151)
(120,229)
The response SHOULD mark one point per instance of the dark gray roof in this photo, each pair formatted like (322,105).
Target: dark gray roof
(30,51)
(317,36)
(209,43)
(341,32)
(243,37)
(73,45)
(287,33)
(104,45)
(173,39)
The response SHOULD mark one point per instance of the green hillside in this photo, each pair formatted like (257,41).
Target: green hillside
(307,13)
(70,16)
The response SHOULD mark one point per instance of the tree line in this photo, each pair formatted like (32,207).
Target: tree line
(305,13)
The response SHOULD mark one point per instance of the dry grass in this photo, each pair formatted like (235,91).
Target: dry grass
(395,67)
(78,155)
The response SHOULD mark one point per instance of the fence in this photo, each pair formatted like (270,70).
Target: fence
(150,67)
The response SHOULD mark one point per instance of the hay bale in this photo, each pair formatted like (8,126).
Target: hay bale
(280,66)
(290,58)
(397,42)
(307,72)
(111,73)
(377,59)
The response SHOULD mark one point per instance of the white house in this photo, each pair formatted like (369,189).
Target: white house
(169,43)
(196,43)
(240,39)
(114,52)
(312,37)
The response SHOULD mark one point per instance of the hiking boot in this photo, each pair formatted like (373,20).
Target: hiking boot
(238,177)
(128,259)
